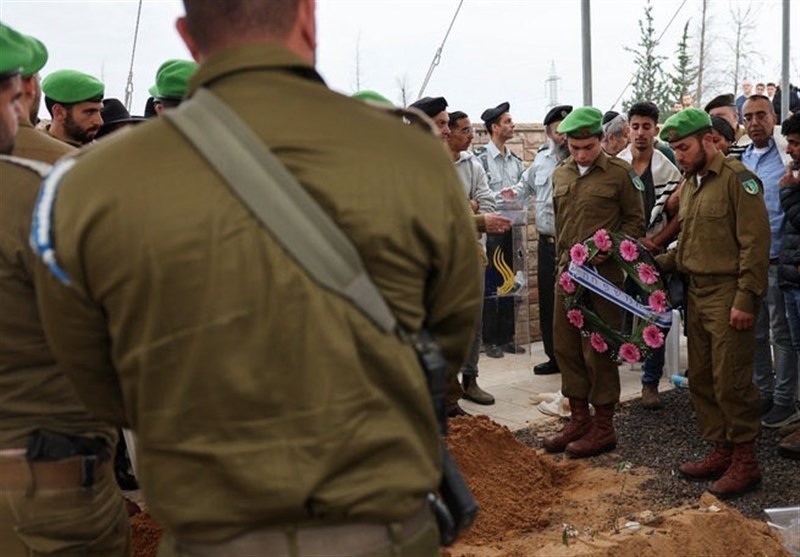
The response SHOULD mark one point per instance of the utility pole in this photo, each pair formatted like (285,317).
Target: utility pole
(785,92)
(586,33)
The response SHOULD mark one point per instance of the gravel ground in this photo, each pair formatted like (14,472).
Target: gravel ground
(663,439)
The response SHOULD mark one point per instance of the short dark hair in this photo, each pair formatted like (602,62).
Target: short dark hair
(455,117)
(494,121)
(50,103)
(757,97)
(646,109)
(208,21)
(761,84)
(791,124)
(770,83)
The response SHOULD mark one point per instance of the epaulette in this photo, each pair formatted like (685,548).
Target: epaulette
(516,156)
(543,147)
(38,167)
(478,151)
(637,182)
(625,165)
(42,225)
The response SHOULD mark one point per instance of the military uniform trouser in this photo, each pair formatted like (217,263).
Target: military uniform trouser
(417,536)
(585,374)
(720,364)
(66,521)
(546,279)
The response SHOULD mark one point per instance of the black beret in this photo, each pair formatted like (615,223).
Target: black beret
(608,116)
(723,127)
(557,113)
(431,106)
(491,113)
(720,101)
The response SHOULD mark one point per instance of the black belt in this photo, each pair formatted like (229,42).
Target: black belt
(547,239)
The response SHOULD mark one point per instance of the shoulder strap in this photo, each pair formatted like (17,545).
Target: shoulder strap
(40,168)
(279,202)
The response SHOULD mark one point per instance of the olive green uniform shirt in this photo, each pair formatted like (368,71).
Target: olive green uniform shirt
(38,145)
(724,230)
(259,398)
(34,393)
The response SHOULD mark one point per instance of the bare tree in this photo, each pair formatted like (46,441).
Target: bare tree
(358,61)
(404,89)
(744,51)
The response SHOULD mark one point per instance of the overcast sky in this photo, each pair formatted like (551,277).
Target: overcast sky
(498,50)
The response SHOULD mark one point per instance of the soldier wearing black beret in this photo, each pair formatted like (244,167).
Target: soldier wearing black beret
(435,108)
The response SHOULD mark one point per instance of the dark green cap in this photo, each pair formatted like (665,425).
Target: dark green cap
(172,79)
(685,123)
(38,59)
(72,86)
(373,97)
(582,122)
(15,51)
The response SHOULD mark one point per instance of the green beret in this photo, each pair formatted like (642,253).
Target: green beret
(582,122)
(71,87)
(153,91)
(39,57)
(721,101)
(685,123)
(373,97)
(172,79)
(15,52)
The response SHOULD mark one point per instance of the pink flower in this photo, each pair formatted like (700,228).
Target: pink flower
(579,254)
(653,337)
(658,301)
(628,250)
(575,317)
(566,283)
(629,353)
(598,343)
(602,240)
(647,273)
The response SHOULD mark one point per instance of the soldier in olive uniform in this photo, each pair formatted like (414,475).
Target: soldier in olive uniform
(591,190)
(273,416)
(75,102)
(724,248)
(57,493)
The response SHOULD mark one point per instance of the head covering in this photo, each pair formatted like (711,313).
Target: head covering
(723,127)
(172,79)
(493,113)
(557,113)
(582,122)
(71,86)
(720,101)
(608,116)
(38,59)
(373,97)
(685,123)
(114,112)
(15,52)
(430,106)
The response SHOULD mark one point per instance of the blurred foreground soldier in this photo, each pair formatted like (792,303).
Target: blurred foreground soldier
(74,101)
(591,190)
(32,143)
(116,117)
(273,416)
(723,247)
(172,84)
(615,133)
(57,493)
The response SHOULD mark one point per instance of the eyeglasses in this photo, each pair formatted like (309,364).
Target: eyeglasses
(760,116)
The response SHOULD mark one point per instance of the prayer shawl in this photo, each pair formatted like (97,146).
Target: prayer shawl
(666,178)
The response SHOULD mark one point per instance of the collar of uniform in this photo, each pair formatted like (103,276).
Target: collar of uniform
(716,164)
(248,57)
(62,140)
(24,122)
(464,156)
(494,152)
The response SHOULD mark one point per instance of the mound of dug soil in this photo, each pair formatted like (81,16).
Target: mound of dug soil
(146,535)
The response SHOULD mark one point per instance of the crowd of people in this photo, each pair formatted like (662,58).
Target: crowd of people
(277,415)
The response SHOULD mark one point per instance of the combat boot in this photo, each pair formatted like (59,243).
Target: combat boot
(579,423)
(742,475)
(711,467)
(474,393)
(600,438)
(789,447)
(650,399)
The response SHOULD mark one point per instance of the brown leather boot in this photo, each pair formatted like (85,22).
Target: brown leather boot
(711,467)
(577,426)
(742,475)
(600,438)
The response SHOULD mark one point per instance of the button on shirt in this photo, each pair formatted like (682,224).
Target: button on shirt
(537,182)
(768,166)
(502,170)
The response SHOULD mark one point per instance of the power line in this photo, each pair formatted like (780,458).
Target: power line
(438,56)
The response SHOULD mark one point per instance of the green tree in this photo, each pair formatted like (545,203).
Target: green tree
(684,74)
(650,82)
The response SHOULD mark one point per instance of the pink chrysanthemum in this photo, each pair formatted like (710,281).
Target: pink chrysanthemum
(579,254)
(575,317)
(658,301)
(598,343)
(629,353)
(628,250)
(647,273)
(565,281)
(602,240)
(653,337)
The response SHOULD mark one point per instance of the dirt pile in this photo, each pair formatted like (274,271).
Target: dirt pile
(146,535)
(514,486)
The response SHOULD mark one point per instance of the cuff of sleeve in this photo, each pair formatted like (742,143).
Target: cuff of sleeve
(666,262)
(745,301)
(480,222)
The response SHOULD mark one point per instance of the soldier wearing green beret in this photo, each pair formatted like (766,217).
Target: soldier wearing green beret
(172,84)
(273,416)
(723,247)
(75,102)
(57,495)
(33,143)
(591,190)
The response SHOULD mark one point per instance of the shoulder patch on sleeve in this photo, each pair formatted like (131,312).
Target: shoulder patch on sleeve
(637,182)
(42,224)
(749,182)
